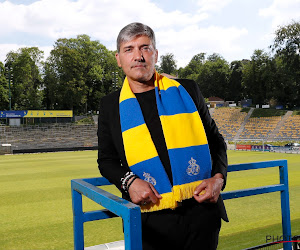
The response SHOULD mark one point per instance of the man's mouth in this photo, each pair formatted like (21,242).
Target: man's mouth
(139,66)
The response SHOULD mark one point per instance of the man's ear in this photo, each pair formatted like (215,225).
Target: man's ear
(118,59)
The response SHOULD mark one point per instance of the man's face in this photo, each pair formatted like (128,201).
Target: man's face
(137,58)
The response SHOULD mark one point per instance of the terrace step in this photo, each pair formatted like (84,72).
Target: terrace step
(243,124)
(279,125)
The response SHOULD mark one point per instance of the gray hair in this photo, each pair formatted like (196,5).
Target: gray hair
(133,30)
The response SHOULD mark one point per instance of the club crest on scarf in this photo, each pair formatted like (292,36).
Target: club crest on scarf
(193,168)
(149,178)
(184,136)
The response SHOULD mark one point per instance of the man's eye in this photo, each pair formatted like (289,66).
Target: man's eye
(146,48)
(127,50)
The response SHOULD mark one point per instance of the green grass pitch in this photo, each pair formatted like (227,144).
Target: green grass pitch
(36,205)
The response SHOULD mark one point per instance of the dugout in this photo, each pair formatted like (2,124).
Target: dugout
(5,149)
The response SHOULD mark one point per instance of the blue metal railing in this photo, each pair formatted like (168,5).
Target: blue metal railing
(130,213)
(115,206)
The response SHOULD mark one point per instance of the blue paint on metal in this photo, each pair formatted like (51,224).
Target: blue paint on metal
(255,165)
(285,206)
(131,213)
(115,206)
(252,191)
(77,220)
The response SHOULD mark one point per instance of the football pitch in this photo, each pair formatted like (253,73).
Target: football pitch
(36,204)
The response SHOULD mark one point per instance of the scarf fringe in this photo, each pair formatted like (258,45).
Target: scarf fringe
(167,201)
(170,200)
(185,191)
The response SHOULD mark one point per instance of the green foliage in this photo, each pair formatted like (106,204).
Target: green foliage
(4,100)
(258,77)
(168,64)
(287,39)
(235,88)
(192,70)
(287,46)
(214,76)
(264,79)
(267,112)
(245,110)
(78,73)
(26,81)
(87,120)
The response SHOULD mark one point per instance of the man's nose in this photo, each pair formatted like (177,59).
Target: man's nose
(138,55)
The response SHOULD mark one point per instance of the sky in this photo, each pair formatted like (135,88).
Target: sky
(231,28)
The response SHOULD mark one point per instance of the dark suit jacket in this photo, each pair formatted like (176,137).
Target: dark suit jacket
(111,155)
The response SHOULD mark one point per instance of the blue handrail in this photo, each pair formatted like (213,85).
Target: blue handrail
(131,213)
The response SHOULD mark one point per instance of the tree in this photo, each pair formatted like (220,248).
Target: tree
(258,78)
(168,64)
(78,73)
(287,46)
(192,70)
(235,90)
(287,40)
(3,89)
(214,76)
(24,65)
(283,90)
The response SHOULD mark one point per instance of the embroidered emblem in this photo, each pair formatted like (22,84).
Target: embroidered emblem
(193,168)
(149,178)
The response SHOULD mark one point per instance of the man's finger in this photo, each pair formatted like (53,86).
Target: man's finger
(203,196)
(200,188)
(155,195)
(155,191)
(200,193)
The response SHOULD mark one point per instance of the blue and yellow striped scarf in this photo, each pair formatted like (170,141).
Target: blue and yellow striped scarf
(185,139)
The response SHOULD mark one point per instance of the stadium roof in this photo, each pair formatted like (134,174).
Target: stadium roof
(215,99)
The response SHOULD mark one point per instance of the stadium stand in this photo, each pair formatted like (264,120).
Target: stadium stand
(229,121)
(259,127)
(275,132)
(236,125)
(232,123)
(290,129)
(51,137)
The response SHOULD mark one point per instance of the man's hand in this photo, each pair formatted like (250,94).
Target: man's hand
(209,189)
(142,192)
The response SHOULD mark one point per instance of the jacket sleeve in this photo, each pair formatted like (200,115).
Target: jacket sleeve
(109,162)
(216,141)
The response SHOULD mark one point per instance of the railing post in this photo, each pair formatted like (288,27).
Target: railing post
(77,220)
(285,207)
(133,230)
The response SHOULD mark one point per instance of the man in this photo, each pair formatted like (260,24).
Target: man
(160,147)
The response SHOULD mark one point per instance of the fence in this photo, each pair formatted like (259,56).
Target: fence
(289,146)
(130,212)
